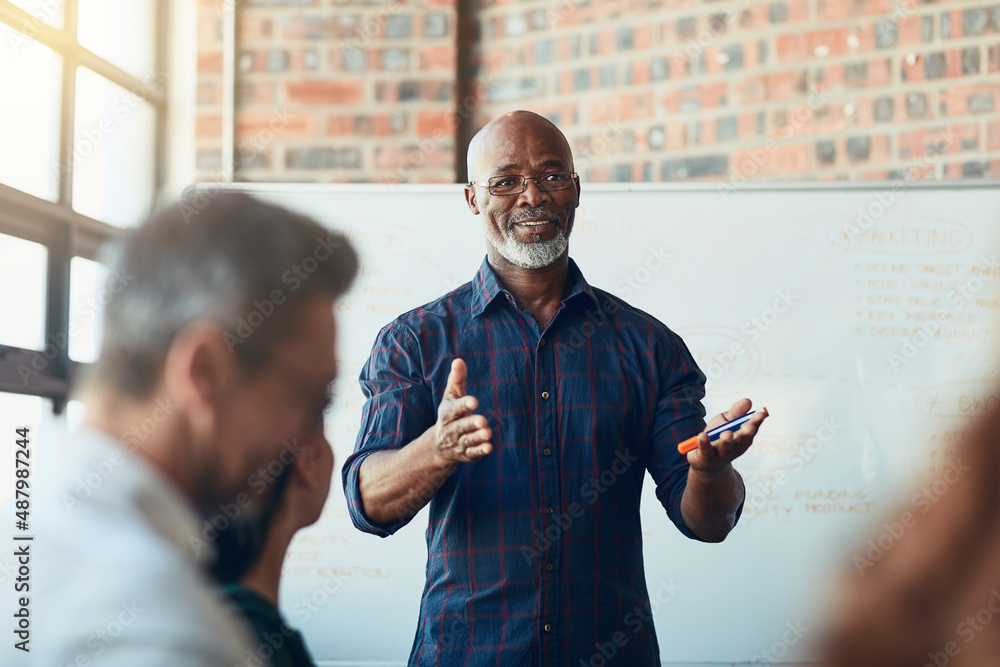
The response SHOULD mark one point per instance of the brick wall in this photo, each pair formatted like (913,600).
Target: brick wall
(646,90)
(333,90)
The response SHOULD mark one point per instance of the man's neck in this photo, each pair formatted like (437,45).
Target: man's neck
(165,448)
(265,576)
(541,291)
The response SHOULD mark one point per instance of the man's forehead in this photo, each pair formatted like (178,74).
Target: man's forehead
(505,142)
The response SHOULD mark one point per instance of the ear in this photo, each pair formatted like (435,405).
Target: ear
(196,373)
(577,192)
(470,199)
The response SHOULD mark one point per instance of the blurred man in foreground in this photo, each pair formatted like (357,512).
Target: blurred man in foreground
(252,584)
(930,595)
(217,352)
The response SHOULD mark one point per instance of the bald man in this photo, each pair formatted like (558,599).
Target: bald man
(526,407)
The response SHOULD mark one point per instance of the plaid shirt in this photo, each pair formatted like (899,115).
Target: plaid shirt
(535,551)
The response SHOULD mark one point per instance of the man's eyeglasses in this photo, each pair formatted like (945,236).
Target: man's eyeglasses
(515,184)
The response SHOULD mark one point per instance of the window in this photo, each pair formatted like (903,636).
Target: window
(81,156)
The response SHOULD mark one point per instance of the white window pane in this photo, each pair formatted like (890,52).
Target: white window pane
(17,411)
(46,11)
(113,151)
(22,292)
(88,294)
(75,412)
(121,31)
(29,114)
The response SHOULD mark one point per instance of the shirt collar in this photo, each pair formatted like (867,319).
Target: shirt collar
(167,510)
(486,288)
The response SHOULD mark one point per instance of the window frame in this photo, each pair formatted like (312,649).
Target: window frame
(55,224)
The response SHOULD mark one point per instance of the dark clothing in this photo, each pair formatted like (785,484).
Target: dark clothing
(535,551)
(273,639)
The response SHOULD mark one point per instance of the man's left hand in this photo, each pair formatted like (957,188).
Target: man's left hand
(713,456)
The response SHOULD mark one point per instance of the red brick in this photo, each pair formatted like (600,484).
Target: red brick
(397,157)
(206,127)
(283,125)
(746,124)
(640,72)
(911,31)
(210,62)
(772,87)
(789,160)
(437,58)
(340,125)
(344,91)
(620,108)
(993,136)
(802,46)
(956,98)
(643,37)
(435,123)
(254,28)
(830,10)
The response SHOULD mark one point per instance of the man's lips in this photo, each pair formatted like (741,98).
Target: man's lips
(535,222)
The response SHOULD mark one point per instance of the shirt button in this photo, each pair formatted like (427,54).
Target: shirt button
(508,296)
(549,510)
(542,342)
(546,451)
(549,566)
(548,627)
(545,395)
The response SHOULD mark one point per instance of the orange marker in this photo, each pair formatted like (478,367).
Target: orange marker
(691,443)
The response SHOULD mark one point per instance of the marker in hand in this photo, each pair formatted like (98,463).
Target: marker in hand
(691,443)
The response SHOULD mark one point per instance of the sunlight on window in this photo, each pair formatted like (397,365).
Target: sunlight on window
(120,31)
(114,152)
(22,292)
(88,294)
(29,114)
(46,11)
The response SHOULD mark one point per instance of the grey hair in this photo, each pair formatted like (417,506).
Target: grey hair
(223,258)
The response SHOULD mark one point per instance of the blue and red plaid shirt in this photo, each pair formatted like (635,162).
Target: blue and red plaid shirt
(535,551)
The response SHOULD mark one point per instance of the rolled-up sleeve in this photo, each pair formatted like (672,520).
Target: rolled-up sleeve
(399,406)
(679,415)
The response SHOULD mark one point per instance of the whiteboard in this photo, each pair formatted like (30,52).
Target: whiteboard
(864,317)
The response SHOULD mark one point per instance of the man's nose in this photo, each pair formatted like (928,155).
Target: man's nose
(533,195)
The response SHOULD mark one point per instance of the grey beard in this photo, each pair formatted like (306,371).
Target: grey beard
(534,255)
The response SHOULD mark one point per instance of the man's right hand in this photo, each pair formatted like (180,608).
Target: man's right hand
(460,435)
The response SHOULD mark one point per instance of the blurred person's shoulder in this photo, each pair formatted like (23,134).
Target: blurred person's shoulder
(119,572)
